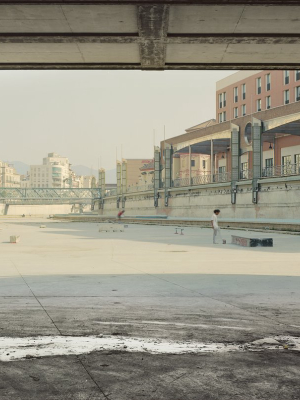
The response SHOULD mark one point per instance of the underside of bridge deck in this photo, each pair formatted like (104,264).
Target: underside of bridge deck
(148,35)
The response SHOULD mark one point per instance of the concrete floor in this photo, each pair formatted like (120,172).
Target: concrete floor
(69,279)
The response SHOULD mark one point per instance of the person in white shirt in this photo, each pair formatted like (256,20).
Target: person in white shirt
(215,226)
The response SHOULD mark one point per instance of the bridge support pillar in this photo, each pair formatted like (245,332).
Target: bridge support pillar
(124,181)
(168,172)
(257,154)
(156,174)
(101,187)
(235,160)
(119,183)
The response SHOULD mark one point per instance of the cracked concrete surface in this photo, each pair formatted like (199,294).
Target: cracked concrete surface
(71,280)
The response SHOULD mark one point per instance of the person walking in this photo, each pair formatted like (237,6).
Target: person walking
(215,226)
(120,214)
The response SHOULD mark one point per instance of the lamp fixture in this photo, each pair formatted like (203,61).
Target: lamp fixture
(223,155)
(270,147)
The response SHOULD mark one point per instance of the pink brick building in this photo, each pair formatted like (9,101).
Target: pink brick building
(248,92)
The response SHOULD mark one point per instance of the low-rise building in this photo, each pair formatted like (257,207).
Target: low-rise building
(147,173)
(9,176)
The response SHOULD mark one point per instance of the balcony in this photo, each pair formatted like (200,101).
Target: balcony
(246,174)
(202,180)
(281,170)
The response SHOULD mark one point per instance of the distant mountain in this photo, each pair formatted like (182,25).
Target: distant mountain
(110,175)
(20,167)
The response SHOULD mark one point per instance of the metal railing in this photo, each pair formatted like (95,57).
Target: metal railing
(202,180)
(281,170)
(246,174)
(111,192)
(140,188)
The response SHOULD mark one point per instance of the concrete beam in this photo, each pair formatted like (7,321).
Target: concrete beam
(158,2)
(153,28)
(129,66)
(164,39)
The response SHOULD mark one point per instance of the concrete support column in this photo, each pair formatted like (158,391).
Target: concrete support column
(101,185)
(119,183)
(190,165)
(212,160)
(156,174)
(257,155)
(124,181)
(168,172)
(235,160)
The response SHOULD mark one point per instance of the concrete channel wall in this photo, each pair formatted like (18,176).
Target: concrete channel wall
(41,209)
(278,198)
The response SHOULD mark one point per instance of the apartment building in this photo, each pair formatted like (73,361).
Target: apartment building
(53,173)
(248,92)
(8,176)
(147,173)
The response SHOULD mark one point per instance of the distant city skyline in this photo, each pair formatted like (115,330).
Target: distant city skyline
(93,116)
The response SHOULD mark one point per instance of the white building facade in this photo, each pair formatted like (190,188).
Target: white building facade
(9,176)
(55,172)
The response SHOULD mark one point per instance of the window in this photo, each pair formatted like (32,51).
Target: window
(224,99)
(268,102)
(220,118)
(297,96)
(193,163)
(258,86)
(268,82)
(297,163)
(222,170)
(297,75)
(286,165)
(244,91)
(220,101)
(235,95)
(258,105)
(244,109)
(268,167)
(286,75)
(224,116)
(244,170)
(235,112)
(286,97)
(203,164)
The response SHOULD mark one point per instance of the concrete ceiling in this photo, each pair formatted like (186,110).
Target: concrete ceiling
(174,34)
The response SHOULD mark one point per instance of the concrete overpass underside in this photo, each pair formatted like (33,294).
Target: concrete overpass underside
(147,35)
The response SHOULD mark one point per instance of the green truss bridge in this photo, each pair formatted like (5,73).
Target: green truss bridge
(49,195)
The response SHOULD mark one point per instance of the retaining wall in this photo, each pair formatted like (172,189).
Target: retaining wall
(278,198)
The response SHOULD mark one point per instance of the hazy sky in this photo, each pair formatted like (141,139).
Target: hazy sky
(85,115)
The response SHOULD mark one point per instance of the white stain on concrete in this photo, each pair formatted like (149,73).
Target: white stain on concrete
(12,349)
(180,324)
